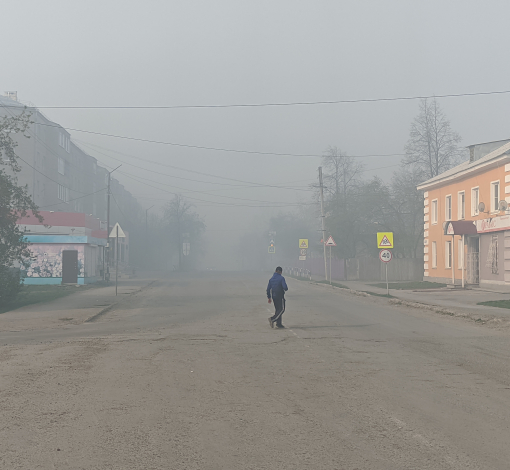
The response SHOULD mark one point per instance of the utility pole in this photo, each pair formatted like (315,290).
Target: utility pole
(147,232)
(323,223)
(107,273)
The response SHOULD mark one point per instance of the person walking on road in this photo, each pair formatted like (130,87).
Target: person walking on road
(276,289)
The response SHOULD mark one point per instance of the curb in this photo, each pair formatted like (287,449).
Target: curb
(101,313)
(93,318)
(477,318)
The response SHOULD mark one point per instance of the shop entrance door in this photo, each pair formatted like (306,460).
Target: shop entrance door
(70,267)
(473,260)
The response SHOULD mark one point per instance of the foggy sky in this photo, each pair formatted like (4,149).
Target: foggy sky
(117,53)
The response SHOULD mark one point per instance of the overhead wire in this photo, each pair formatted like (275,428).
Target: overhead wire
(248,183)
(210,202)
(283,104)
(220,149)
(71,200)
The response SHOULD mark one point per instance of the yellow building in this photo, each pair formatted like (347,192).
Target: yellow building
(476,192)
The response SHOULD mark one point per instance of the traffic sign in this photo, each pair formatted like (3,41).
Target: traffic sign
(113,233)
(330,242)
(385,256)
(385,240)
(303,243)
(303,251)
(271,249)
(302,258)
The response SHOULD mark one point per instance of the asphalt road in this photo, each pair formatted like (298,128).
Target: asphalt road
(187,374)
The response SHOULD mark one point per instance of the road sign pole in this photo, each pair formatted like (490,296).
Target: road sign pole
(116,259)
(387,285)
(330,264)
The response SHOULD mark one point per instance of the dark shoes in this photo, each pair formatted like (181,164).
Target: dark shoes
(280,326)
(271,322)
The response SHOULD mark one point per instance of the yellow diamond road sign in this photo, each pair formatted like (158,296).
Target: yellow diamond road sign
(384,239)
(303,243)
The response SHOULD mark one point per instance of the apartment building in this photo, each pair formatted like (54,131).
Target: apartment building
(62,177)
(466,220)
(59,174)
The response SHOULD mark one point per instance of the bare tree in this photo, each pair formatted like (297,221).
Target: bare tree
(433,145)
(341,172)
(183,222)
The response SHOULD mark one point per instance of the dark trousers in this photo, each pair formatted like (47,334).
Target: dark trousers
(279,308)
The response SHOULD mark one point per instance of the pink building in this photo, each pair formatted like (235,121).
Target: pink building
(70,249)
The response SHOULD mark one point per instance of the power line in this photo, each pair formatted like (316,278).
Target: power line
(211,202)
(201,192)
(219,149)
(75,199)
(281,104)
(250,184)
(125,216)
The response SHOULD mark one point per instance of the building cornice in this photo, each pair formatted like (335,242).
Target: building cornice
(472,170)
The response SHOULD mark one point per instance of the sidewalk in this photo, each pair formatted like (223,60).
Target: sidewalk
(73,309)
(464,301)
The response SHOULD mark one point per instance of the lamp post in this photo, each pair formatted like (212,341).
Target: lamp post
(107,273)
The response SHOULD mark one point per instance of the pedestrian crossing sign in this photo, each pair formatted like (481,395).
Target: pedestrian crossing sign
(384,239)
(303,243)
(271,249)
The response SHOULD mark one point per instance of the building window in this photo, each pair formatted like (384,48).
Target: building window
(492,255)
(63,193)
(433,209)
(448,208)
(462,205)
(448,255)
(61,166)
(494,196)
(475,200)
(434,254)
(64,141)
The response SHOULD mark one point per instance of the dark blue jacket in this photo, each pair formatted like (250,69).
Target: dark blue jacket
(277,286)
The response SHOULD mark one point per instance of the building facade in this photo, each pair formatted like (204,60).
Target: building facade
(66,248)
(61,177)
(59,174)
(466,221)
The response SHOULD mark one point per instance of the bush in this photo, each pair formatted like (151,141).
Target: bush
(11,283)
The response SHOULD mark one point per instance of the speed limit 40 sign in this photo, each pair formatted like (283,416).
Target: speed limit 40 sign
(385,256)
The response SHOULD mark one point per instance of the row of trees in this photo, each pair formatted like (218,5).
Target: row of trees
(357,207)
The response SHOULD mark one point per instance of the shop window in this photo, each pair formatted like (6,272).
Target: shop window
(492,255)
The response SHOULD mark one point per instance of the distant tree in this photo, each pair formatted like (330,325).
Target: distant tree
(406,211)
(14,202)
(184,225)
(341,173)
(433,147)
